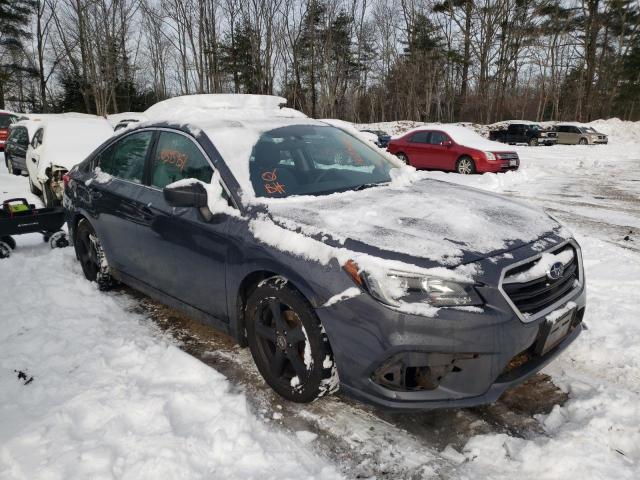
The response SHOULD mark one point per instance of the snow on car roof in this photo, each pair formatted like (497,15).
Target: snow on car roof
(233,122)
(464,136)
(67,141)
(116,118)
(31,126)
(224,105)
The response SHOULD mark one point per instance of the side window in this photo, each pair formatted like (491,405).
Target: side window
(420,137)
(178,157)
(125,158)
(576,130)
(437,138)
(22,137)
(37,139)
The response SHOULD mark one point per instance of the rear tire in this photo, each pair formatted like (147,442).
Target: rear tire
(465,166)
(403,158)
(12,170)
(91,256)
(288,343)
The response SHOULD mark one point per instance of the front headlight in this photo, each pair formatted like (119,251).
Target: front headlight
(396,288)
(544,134)
(490,156)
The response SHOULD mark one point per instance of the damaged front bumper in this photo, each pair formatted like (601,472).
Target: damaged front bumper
(458,358)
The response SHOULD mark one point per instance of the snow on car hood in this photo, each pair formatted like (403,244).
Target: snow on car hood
(429,219)
(69,141)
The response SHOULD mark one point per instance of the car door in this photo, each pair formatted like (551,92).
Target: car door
(22,143)
(417,149)
(441,152)
(185,254)
(33,157)
(561,133)
(116,201)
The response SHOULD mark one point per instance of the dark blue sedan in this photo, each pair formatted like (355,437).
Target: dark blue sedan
(338,266)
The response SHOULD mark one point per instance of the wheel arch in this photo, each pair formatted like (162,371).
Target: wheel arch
(247,285)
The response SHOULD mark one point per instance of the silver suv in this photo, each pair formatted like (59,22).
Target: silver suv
(575,134)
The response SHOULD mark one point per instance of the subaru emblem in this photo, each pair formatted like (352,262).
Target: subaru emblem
(556,271)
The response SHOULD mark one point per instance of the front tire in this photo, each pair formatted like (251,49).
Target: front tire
(91,256)
(533,142)
(465,166)
(583,141)
(288,344)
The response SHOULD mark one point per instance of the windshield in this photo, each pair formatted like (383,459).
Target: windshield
(6,120)
(313,160)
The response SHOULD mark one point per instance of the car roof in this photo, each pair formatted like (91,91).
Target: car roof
(31,126)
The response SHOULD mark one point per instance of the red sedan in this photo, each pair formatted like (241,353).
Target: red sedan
(453,148)
(6,119)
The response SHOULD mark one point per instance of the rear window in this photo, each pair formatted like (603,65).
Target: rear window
(125,158)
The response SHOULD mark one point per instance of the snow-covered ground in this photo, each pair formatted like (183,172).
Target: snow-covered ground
(112,396)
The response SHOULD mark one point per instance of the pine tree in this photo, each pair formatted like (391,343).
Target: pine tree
(14,21)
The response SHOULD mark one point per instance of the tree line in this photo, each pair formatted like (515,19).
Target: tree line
(359,60)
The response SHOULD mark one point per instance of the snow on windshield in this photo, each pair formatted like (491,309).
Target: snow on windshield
(67,142)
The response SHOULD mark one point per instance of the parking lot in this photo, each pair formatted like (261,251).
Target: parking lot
(579,417)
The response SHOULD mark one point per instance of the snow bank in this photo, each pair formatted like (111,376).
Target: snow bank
(109,397)
(595,434)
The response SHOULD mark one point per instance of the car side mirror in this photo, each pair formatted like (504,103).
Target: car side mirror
(184,194)
(447,143)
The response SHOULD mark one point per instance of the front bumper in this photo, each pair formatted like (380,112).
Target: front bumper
(479,348)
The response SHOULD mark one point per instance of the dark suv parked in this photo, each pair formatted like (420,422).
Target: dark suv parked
(15,152)
(326,257)
(529,133)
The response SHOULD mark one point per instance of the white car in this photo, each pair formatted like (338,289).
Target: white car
(58,145)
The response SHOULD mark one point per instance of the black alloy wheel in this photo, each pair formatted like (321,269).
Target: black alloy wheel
(287,343)
(91,256)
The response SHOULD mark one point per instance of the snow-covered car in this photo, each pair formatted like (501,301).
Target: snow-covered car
(578,134)
(338,265)
(57,145)
(452,148)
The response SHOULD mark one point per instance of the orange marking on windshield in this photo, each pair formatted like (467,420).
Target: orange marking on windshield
(275,187)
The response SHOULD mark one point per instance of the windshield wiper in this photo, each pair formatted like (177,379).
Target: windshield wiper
(365,185)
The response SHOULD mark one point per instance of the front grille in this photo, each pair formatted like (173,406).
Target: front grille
(508,156)
(536,294)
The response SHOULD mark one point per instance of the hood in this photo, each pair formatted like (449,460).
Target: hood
(429,222)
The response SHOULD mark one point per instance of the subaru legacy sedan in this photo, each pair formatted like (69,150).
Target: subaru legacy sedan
(336,264)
